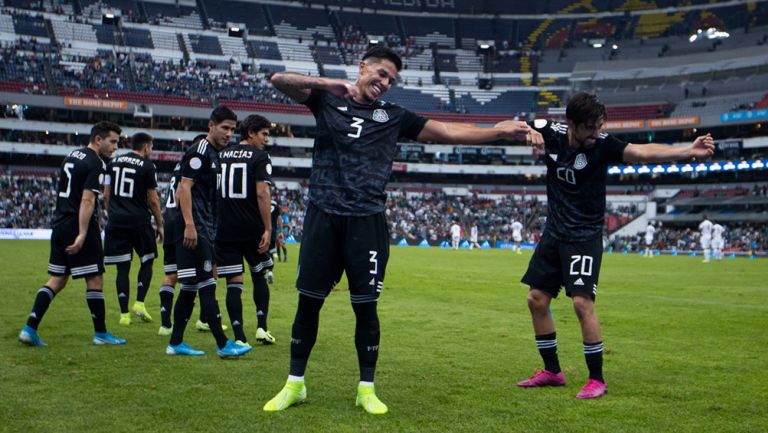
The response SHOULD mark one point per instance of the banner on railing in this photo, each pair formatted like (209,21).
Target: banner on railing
(105,104)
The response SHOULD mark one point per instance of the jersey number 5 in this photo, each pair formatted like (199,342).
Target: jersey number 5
(357,123)
(67,170)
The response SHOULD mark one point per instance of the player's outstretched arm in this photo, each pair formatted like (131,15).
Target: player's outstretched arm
(184,201)
(154,206)
(263,196)
(461,133)
(298,87)
(701,148)
(87,203)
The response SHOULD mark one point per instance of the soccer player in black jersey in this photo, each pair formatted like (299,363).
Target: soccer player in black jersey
(570,251)
(130,195)
(76,239)
(345,228)
(194,233)
(276,241)
(244,228)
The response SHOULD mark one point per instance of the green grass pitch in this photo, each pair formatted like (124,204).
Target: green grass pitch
(685,352)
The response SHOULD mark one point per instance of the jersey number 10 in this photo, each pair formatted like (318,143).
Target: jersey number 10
(235,174)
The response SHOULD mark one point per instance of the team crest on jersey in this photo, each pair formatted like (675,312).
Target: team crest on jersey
(269,169)
(207,266)
(580,162)
(380,115)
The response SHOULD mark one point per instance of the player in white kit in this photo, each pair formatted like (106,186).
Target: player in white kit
(649,232)
(517,236)
(455,235)
(473,237)
(717,240)
(706,238)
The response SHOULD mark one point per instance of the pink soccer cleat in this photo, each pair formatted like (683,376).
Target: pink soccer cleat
(543,378)
(593,389)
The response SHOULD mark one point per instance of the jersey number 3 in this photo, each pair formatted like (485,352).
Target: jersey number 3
(357,123)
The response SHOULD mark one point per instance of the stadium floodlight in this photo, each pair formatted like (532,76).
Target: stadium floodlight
(597,45)
(701,167)
(236,32)
(710,33)
(687,168)
(373,42)
(109,19)
(673,169)
(614,47)
(614,170)
(629,170)
(729,166)
(715,167)
(643,170)
(743,165)
(659,169)
(758,164)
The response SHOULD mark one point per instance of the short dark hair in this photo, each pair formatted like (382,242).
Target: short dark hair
(103,128)
(139,139)
(253,123)
(222,113)
(585,107)
(380,52)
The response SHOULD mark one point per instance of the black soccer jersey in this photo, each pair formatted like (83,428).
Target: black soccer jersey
(353,152)
(82,169)
(201,164)
(576,182)
(240,168)
(171,211)
(129,177)
(274,214)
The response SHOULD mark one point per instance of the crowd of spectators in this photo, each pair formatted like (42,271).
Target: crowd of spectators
(27,201)
(740,237)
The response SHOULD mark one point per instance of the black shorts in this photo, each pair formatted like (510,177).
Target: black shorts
(332,244)
(575,265)
(195,267)
(229,257)
(87,262)
(169,259)
(120,242)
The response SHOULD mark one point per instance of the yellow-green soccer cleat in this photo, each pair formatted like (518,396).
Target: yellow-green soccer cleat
(294,392)
(264,337)
(140,310)
(125,319)
(164,332)
(203,327)
(366,397)
(243,343)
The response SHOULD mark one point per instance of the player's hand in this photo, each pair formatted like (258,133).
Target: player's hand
(160,234)
(76,246)
(703,147)
(264,241)
(190,237)
(514,130)
(341,88)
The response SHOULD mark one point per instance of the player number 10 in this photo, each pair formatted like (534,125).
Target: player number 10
(237,170)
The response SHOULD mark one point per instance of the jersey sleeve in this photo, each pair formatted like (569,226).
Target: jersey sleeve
(547,130)
(193,165)
(95,176)
(614,149)
(151,180)
(411,124)
(263,169)
(315,100)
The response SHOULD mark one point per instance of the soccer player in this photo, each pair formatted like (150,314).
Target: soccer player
(345,228)
(277,233)
(244,227)
(129,196)
(170,218)
(570,250)
(473,237)
(196,227)
(455,231)
(517,236)
(76,240)
(649,232)
(705,239)
(717,240)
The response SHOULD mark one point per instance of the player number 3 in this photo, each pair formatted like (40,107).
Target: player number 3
(357,123)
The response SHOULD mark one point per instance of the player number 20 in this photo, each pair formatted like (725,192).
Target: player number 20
(581,265)
(357,123)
